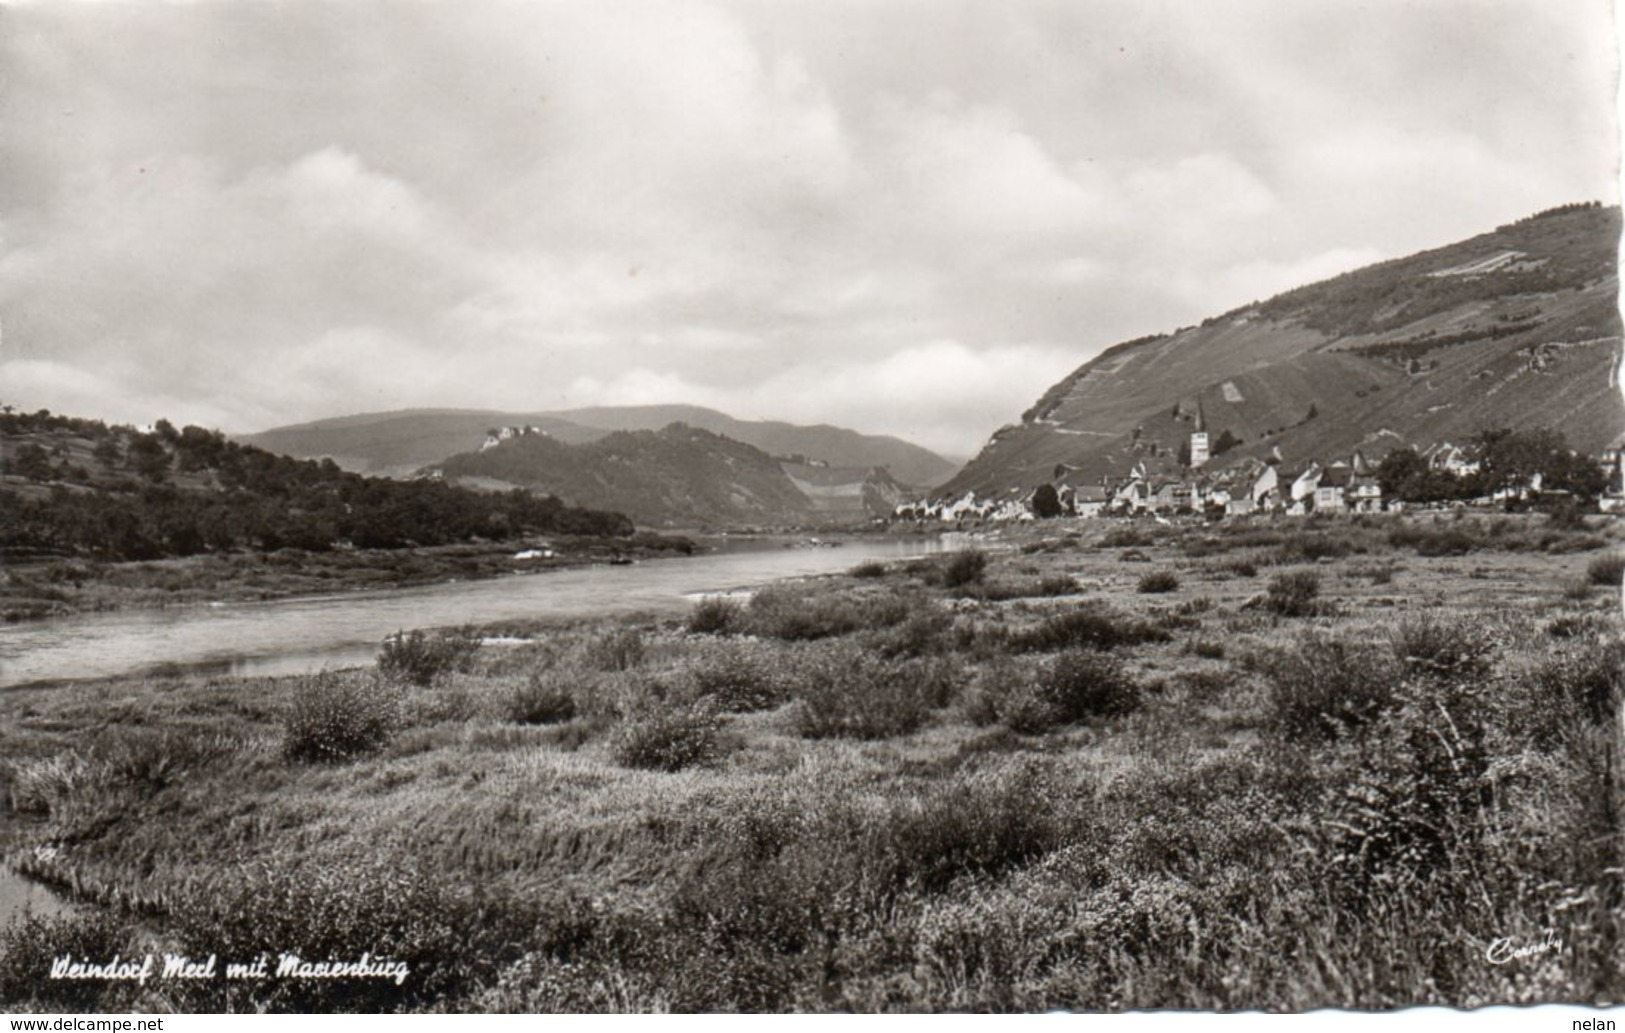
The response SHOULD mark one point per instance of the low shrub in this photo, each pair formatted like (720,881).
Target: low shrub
(963,568)
(419,659)
(973,827)
(544,699)
(868,569)
(1125,537)
(1158,581)
(1081,685)
(1240,568)
(794,614)
(620,649)
(855,696)
(1585,674)
(1443,647)
(1204,686)
(924,633)
(1093,626)
(715,615)
(337,716)
(1293,594)
(669,738)
(1206,648)
(1607,570)
(1576,626)
(738,679)
(1578,591)
(29,943)
(1325,686)
(1056,584)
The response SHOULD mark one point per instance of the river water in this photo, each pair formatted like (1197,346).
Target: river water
(301,635)
(306,634)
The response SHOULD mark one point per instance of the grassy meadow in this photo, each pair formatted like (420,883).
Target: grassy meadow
(1365,763)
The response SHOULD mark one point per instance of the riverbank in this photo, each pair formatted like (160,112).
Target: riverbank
(1247,767)
(58,588)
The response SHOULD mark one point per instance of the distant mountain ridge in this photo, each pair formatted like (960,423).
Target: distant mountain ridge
(1518,327)
(399,443)
(678,476)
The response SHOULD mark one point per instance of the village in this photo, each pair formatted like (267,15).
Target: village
(1250,487)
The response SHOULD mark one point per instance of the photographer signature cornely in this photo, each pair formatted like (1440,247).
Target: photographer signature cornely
(1507,949)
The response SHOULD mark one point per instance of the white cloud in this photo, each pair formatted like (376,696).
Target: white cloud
(908,218)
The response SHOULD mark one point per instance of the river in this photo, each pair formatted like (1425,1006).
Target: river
(305,634)
(292,636)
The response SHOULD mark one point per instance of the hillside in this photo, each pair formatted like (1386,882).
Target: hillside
(79,488)
(678,476)
(1518,327)
(399,443)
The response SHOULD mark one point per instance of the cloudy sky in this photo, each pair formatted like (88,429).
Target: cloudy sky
(904,216)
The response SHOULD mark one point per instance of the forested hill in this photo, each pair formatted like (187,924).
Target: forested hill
(79,487)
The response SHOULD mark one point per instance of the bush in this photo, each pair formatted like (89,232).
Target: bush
(1607,570)
(1088,627)
(337,716)
(1325,687)
(542,700)
(970,828)
(1080,685)
(1241,568)
(739,679)
(1293,594)
(418,658)
(620,649)
(1206,648)
(29,944)
(715,615)
(797,614)
(868,569)
(1121,537)
(669,739)
(1433,646)
(1056,584)
(962,568)
(924,632)
(1158,581)
(854,696)
(1586,675)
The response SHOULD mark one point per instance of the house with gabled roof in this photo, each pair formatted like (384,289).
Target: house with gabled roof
(1089,500)
(1330,488)
(1299,495)
(1364,493)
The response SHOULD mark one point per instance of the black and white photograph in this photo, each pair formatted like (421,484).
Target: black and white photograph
(583,507)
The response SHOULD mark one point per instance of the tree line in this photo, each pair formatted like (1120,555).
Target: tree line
(1505,459)
(140,495)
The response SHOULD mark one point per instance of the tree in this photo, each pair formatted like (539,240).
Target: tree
(1510,459)
(1225,443)
(1047,502)
(32,462)
(1185,452)
(149,457)
(107,451)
